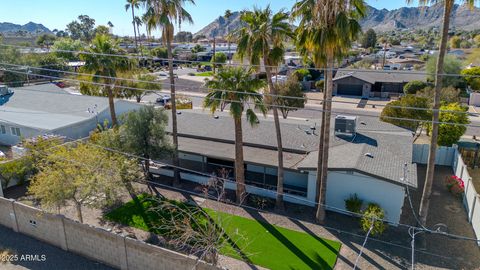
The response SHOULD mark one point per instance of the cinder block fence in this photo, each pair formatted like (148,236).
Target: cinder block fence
(97,244)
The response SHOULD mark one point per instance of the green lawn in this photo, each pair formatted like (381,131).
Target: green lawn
(205,74)
(261,243)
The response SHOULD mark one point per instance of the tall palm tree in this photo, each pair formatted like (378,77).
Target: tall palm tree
(237,87)
(326,31)
(427,188)
(133,4)
(261,39)
(138,22)
(101,63)
(228,14)
(164,15)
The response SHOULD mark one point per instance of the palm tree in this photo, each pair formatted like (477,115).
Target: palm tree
(326,31)
(228,14)
(427,188)
(133,4)
(164,14)
(101,63)
(236,86)
(261,39)
(138,22)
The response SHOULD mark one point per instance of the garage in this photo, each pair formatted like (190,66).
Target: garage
(350,89)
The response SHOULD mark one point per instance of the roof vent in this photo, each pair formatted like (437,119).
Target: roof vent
(370,155)
(216,117)
(345,125)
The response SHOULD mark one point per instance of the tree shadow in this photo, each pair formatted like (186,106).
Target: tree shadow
(320,263)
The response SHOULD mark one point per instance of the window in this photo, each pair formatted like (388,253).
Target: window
(15,131)
(3,130)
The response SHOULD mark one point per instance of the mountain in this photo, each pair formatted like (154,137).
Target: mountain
(420,18)
(220,26)
(380,20)
(31,27)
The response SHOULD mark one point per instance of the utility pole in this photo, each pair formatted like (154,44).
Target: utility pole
(214,53)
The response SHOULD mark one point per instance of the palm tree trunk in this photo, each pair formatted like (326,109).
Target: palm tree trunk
(280,175)
(427,188)
(111,104)
(239,164)
(320,214)
(320,144)
(134,28)
(176,176)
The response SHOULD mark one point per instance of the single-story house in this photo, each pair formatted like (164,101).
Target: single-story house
(371,83)
(369,164)
(406,62)
(36,110)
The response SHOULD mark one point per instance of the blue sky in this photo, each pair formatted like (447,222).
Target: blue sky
(57,13)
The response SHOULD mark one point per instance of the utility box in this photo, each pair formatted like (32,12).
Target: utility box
(345,125)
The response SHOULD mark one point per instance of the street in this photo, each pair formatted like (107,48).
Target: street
(312,110)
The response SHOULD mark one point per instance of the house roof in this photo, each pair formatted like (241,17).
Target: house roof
(372,76)
(390,147)
(48,107)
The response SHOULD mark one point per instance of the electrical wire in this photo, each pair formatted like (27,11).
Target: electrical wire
(162,83)
(249,207)
(235,64)
(254,104)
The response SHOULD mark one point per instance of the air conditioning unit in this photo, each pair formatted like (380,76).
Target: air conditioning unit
(345,125)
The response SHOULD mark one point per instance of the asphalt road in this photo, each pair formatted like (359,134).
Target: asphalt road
(311,111)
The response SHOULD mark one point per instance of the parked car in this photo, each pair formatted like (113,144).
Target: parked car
(60,84)
(163,100)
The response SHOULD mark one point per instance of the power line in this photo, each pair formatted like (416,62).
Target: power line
(254,104)
(208,88)
(245,206)
(236,64)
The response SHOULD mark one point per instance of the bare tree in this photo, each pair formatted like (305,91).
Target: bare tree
(191,230)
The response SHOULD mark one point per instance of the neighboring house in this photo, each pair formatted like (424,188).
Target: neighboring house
(370,164)
(406,63)
(369,83)
(47,109)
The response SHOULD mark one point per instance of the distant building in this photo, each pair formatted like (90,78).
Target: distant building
(371,83)
(37,110)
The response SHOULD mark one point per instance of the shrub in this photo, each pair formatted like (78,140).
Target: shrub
(374,213)
(320,84)
(260,202)
(354,204)
(414,86)
(455,185)
(301,73)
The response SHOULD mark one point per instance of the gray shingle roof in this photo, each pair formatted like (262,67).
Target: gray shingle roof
(370,76)
(390,146)
(48,107)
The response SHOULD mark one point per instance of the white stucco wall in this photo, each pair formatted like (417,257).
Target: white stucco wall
(75,131)
(389,196)
(10,139)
